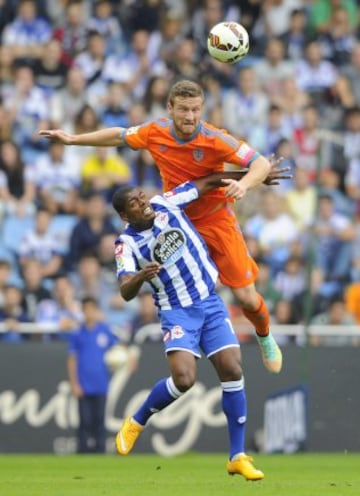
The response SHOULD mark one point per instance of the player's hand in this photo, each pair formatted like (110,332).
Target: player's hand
(56,135)
(276,173)
(150,271)
(234,189)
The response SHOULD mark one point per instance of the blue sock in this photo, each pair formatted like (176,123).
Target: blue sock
(234,407)
(162,394)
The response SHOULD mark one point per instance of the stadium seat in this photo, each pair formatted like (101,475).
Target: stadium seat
(13,231)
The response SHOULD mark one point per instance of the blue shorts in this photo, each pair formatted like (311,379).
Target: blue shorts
(205,327)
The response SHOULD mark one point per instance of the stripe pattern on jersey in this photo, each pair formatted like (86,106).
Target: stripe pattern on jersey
(189,275)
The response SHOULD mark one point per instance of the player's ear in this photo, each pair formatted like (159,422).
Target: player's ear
(169,107)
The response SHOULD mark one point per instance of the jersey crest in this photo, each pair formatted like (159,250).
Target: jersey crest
(198,154)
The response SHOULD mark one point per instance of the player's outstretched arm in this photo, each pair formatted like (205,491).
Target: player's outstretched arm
(103,137)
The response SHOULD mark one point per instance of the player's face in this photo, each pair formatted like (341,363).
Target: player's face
(138,212)
(186,114)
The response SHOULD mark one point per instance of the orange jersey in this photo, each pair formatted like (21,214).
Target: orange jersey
(179,161)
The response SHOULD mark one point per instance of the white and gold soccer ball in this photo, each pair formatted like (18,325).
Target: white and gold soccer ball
(228,42)
(116,357)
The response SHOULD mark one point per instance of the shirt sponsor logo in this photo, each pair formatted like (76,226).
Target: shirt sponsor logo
(198,154)
(169,246)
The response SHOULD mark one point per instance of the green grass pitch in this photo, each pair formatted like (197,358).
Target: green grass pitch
(192,474)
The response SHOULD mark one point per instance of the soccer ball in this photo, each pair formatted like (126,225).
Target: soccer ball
(228,42)
(116,357)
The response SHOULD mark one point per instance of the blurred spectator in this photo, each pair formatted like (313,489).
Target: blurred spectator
(63,309)
(314,74)
(142,15)
(115,106)
(17,182)
(352,71)
(136,67)
(277,15)
(91,60)
(301,200)
(86,235)
(308,149)
(334,233)
(27,33)
(273,68)
(85,121)
(285,314)
(57,180)
(340,98)
(7,67)
(320,12)
(339,39)
(66,103)
(329,184)
(265,286)
(291,281)
(246,99)
(89,377)
(352,153)
(166,39)
(336,315)
(104,171)
(184,63)
(34,289)
(266,137)
(155,98)
(292,101)
(50,71)
(295,37)
(274,229)
(71,31)
(107,25)
(40,243)
(12,314)
(27,112)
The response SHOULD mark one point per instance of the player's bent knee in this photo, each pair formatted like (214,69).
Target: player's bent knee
(184,381)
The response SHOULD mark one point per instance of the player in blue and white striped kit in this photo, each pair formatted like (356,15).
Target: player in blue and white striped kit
(161,246)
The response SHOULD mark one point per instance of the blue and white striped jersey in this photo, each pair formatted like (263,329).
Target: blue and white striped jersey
(188,275)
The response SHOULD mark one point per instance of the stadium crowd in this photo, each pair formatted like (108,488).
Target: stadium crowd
(83,65)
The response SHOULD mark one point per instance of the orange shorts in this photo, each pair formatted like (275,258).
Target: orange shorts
(227,248)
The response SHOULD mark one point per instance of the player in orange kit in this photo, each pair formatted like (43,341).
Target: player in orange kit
(184,147)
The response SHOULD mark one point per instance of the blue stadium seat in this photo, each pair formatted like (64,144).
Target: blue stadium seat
(14,228)
(62,226)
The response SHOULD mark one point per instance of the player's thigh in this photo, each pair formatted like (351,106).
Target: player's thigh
(182,365)
(228,250)
(217,332)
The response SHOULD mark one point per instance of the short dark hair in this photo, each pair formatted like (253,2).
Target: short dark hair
(89,300)
(119,198)
(185,88)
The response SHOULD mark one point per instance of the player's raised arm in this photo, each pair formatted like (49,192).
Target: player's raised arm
(111,136)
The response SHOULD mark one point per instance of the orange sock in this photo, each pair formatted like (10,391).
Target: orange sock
(259,318)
